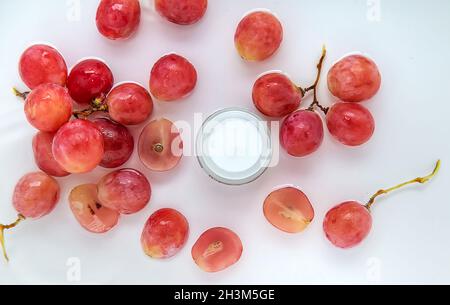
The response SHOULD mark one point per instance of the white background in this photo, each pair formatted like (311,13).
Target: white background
(409,242)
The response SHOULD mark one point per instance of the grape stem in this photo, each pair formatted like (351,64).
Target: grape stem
(20,218)
(421,180)
(20,94)
(316,84)
(97,105)
(158,148)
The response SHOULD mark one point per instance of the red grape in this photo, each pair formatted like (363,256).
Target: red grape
(184,12)
(350,123)
(347,224)
(48,107)
(36,195)
(78,146)
(126,191)
(217,249)
(354,78)
(88,80)
(258,36)
(118,143)
(42,64)
(118,19)
(160,145)
(301,133)
(275,95)
(89,212)
(129,104)
(164,234)
(172,78)
(289,210)
(43,155)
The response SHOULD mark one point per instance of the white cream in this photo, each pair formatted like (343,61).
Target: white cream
(234,146)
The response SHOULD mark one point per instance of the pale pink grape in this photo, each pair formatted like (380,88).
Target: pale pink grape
(48,107)
(354,78)
(165,234)
(126,191)
(258,36)
(36,195)
(78,146)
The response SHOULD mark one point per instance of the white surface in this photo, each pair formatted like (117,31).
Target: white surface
(409,242)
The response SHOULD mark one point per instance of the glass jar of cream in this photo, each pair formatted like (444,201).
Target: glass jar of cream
(234,146)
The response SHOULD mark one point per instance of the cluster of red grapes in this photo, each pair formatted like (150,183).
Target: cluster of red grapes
(71,140)
(352,80)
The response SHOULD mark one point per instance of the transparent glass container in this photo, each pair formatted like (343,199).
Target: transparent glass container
(234,146)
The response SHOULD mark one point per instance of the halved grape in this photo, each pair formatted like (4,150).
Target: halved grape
(48,107)
(160,145)
(118,19)
(43,155)
(258,36)
(126,191)
(89,212)
(165,233)
(42,64)
(289,210)
(78,146)
(36,195)
(217,249)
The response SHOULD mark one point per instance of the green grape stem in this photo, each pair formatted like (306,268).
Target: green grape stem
(97,105)
(420,180)
(20,94)
(20,218)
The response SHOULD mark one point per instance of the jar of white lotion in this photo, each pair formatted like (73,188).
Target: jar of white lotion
(234,146)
